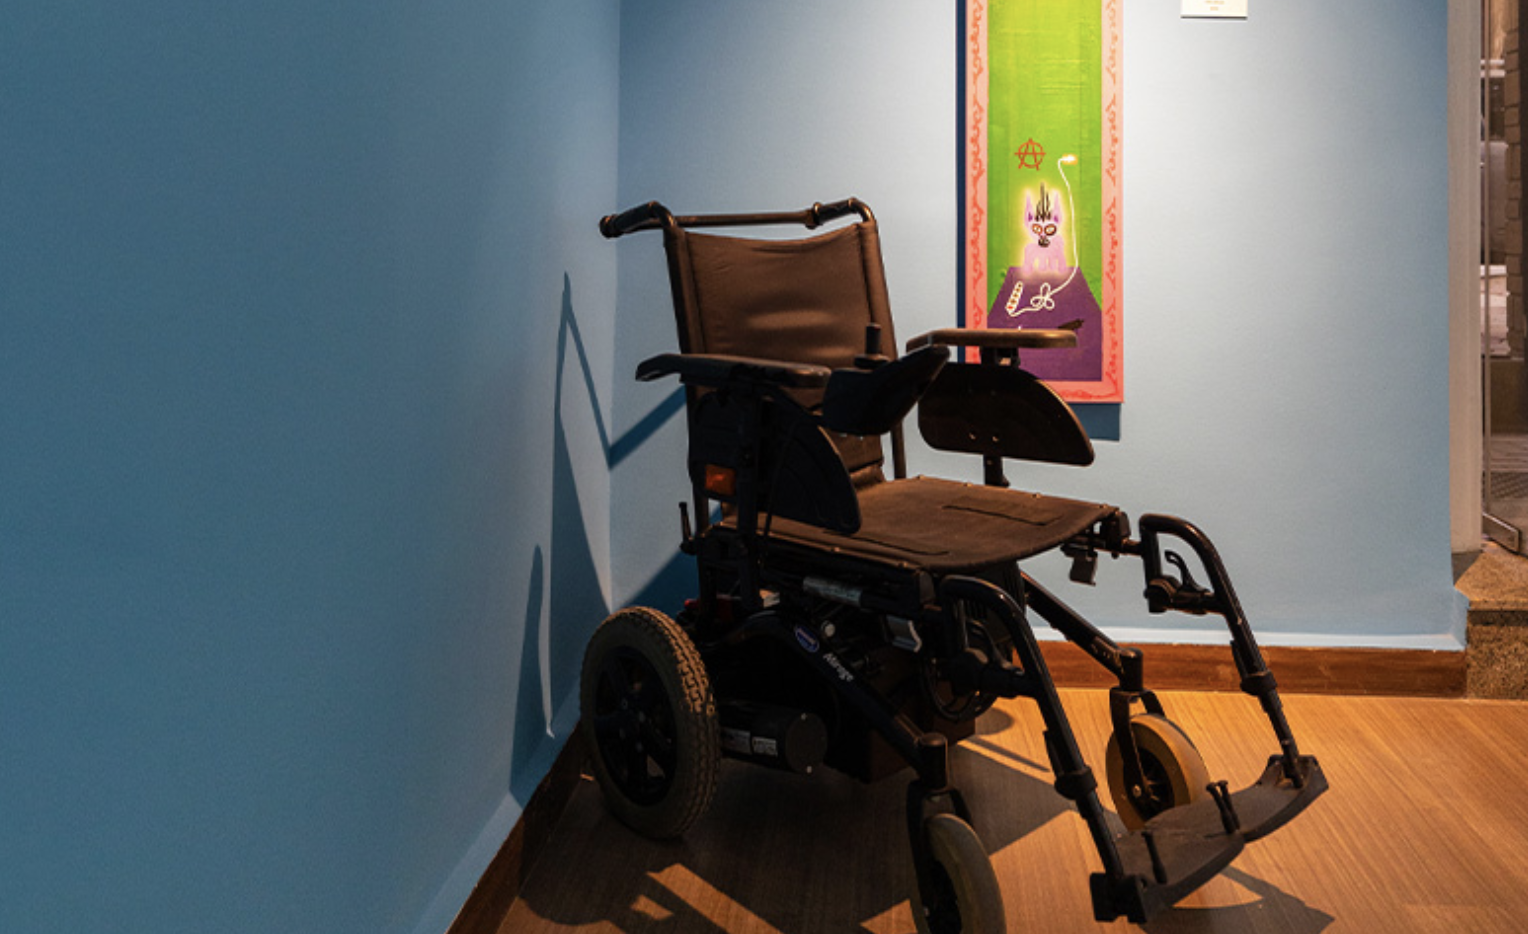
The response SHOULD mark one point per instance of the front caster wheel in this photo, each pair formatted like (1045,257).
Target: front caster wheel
(649,721)
(962,894)
(1174,770)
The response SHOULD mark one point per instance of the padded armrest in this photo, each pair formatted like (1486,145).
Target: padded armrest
(872,402)
(1002,338)
(1001,411)
(719,369)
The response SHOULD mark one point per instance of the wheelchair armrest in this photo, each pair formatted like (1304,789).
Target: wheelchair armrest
(719,370)
(873,401)
(997,338)
(1001,411)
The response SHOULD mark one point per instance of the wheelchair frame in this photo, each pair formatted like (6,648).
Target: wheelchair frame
(908,657)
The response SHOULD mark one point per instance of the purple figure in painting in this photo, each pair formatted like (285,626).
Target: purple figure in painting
(1046,255)
(1046,291)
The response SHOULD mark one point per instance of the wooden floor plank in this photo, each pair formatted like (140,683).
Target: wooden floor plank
(1421,832)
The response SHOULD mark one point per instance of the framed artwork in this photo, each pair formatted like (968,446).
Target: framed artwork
(1041,183)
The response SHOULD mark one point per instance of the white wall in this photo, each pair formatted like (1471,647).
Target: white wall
(1466,404)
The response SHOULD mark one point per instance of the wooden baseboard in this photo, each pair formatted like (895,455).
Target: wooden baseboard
(1395,672)
(489,902)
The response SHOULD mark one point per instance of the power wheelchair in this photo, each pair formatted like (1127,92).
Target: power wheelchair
(847,619)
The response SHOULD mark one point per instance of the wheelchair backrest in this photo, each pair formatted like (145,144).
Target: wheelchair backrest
(804,300)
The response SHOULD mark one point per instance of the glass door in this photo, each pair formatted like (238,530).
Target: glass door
(1503,322)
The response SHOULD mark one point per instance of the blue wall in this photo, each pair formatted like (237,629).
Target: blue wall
(799,102)
(1286,286)
(1285,273)
(282,287)
(320,454)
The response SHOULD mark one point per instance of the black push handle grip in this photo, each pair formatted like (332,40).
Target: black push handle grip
(819,213)
(642,217)
(653,215)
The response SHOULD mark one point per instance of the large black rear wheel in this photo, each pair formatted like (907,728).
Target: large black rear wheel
(649,719)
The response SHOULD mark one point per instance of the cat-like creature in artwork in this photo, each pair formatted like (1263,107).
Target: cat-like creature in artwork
(1046,255)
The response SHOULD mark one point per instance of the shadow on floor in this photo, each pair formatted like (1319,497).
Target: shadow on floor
(785,854)
(1292,914)
(776,851)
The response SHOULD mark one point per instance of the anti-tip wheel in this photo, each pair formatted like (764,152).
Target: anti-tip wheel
(649,721)
(1174,770)
(963,896)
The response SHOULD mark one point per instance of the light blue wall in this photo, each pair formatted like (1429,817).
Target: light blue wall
(319,453)
(1285,273)
(772,106)
(281,287)
(1286,325)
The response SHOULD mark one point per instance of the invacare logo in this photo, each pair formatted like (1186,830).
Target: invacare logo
(807,639)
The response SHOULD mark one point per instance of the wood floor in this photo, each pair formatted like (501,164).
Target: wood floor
(1424,829)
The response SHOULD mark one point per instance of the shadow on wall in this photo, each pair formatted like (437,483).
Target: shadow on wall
(566,599)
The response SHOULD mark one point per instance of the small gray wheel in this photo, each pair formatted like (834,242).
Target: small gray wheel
(964,896)
(649,720)
(1174,770)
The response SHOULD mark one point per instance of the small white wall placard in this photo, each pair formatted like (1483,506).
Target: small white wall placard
(1216,9)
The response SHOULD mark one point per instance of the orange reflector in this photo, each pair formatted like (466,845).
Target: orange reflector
(721,481)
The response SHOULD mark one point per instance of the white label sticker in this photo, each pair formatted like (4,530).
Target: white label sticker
(735,740)
(1216,9)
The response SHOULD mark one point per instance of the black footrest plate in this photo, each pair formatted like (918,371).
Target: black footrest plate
(1192,843)
(1191,846)
(1276,799)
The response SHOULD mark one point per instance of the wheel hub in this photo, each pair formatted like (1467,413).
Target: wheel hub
(630,716)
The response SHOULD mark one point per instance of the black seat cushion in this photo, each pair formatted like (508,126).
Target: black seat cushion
(947,527)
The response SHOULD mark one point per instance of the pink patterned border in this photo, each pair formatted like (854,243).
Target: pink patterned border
(1111,386)
(976,166)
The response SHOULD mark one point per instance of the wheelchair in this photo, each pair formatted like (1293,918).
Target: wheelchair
(850,620)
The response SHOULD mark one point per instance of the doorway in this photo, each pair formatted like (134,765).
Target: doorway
(1504,326)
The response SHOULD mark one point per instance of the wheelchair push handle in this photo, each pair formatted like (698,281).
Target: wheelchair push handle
(820,213)
(642,217)
(653,215)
